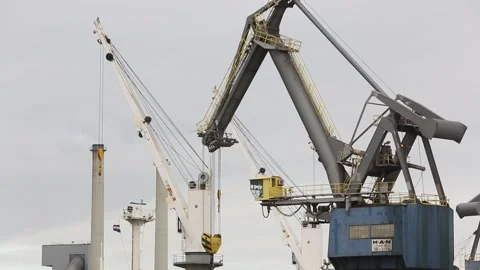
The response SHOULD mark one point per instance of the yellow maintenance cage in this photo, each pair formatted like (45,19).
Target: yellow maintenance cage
(267,187)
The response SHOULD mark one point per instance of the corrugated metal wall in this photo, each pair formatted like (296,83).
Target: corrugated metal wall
(422,237)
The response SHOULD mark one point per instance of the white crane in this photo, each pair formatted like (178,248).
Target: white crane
(196,218)
(307,254)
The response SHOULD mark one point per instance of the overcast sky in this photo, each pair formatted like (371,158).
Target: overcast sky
(49,63)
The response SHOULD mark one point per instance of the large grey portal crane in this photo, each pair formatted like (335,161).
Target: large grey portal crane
(260,37)
(360,229)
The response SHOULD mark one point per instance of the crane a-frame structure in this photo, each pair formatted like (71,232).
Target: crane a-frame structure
(379,241)
(196,218)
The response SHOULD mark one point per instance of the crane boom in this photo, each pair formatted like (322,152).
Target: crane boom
(175,199)
(247,61)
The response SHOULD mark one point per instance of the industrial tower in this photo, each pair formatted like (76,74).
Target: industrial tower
(370,227)
(137,216)
(84,256)
(98,209)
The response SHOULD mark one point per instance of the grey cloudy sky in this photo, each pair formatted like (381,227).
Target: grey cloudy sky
(49,62)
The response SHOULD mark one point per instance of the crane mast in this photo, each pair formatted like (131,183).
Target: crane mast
(195,218)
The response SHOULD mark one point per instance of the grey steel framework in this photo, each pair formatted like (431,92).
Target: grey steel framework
(468,209)
(402,114)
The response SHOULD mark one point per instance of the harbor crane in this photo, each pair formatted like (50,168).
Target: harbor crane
(370,227)
(196,219)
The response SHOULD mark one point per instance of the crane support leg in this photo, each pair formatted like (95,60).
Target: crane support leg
(407,142)
(306,110)
(240,86)
(434,169)
(391,177)
(385,125)
(361,173)
(391,127)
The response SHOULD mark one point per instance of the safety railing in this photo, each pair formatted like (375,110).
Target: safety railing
(373,193)
(78,242)
(179,258)
(405,198)
(325,189)
(475,258)
(314,95)
(277,41)
(182,258)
